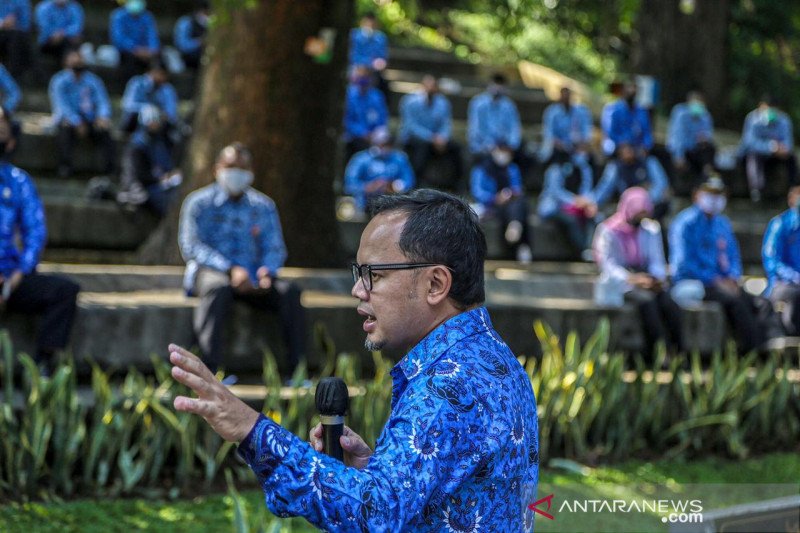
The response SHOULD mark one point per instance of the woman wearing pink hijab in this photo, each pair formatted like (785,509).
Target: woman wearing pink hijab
(629,250)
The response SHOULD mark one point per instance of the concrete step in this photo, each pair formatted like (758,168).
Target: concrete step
(120,330)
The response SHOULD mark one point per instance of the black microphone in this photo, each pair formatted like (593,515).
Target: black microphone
(332,399)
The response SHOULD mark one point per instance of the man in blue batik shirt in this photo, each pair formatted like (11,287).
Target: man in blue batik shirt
(60,25)
(625,122)
(767,141)
(364,111)
(11,93)
(151,88)
(380,170)
(22,289)
(459,451)
(369,47)
(493,120)
(15,27)
(630,169)
(704,248)
(567,130)
(230,236)
(426,121)
(190,34)
(781,255)
(81,109)
(133,32)
(690,136)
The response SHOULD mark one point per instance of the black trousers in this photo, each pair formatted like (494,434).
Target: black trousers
(192,59)
(742,316)
(516,210)
(758,166)
(53,298)
(354,146)
(130,65)
(786,297)
(67,136)
(579,230)
(661,320)
(15,51)
(57,50)
(216,300)
(421,153)
(701,157)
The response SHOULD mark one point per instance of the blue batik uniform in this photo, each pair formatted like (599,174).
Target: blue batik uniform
(129,32)
(364,49)
(686,129)
(363,112)
(423,118)
(20,9)
(12,95)
(759,134)
(219,232)
(623,124)
(617,178)
(78,99)
(703,248)
(369,165)
(781,249)
(487,179)
(51,18)
(141,91)
(459,452)
(492,121)
(21,214)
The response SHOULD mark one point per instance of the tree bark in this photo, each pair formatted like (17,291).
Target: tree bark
(684,51)
(259,87)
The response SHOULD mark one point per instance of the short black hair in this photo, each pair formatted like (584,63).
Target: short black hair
(369,15)
(499,78)
(442,228)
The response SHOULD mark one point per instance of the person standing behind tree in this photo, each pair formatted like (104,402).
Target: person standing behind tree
(781,256)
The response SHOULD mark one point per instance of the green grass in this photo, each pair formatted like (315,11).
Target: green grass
(631,479)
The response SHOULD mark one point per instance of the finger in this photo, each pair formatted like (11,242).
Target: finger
(188,361)
(354,445)
(194,406)
(200,386)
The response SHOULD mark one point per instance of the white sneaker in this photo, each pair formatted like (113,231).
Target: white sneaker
(513,232)
(524,254)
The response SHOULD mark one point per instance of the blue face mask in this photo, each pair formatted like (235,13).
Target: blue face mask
(135,7)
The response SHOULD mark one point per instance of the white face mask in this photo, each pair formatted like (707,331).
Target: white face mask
(711,204)
(234,180)
(501,157)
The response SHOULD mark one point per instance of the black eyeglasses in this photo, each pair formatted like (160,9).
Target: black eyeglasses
(364,272)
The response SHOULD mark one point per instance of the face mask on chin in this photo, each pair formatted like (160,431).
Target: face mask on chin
(234,180)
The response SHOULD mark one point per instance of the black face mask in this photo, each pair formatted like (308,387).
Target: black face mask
(79,70)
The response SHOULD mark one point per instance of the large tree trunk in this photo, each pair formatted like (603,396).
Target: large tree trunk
(684,50)
(259,87)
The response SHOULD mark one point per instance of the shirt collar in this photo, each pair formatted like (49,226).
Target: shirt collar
(221,195)
(438,341)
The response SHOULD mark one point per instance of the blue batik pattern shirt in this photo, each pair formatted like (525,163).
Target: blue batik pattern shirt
(219,232)
(623,124)
(364,111)
(703,248)
(78,99)
(370,165)
(21,214)
(52,17)
(129,32)
(491,121)
(759,133)
(20,9)
(141,90)
(459,452)
(570,126)
(781,249)
(364,48)
(687,129)
(12,95)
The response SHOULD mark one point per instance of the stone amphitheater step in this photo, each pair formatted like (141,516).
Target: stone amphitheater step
(120,330)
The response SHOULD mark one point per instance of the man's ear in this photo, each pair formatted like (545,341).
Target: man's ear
(440,279)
